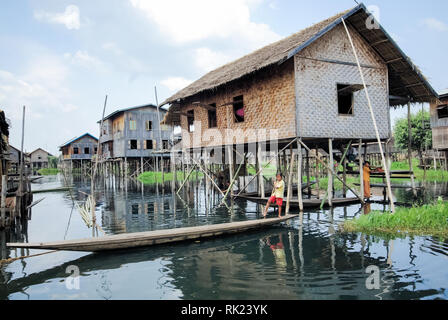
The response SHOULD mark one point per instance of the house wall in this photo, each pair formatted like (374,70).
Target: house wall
(84,142)
(316,89)
(39,159)
(121,133)
(269,103)
(439,127)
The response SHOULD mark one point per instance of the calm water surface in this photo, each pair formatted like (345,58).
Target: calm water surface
(307,258)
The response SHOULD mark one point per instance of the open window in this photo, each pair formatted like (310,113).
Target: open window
(148,145)
(86,150)
(190,119)
(133,144)
(148,125)
(212,120)
(165,144)
(442,111)
(75,150)
(346,98)
(132,125)
(238,109)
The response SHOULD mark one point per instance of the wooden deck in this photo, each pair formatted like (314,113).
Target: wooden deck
(149,238)
(294,204)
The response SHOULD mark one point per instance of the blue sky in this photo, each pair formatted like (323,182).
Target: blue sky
(60,58)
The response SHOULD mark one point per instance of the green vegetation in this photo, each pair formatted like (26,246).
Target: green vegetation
(151,177)
(420,131)
(48,171)
(269,172)
(431,175)
(52,162)
(430,219)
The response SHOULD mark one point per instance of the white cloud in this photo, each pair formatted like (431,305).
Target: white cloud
(176,83)
(208,60)
(70,17)
(42,88)
(84,59)
(189,21)
(435,24)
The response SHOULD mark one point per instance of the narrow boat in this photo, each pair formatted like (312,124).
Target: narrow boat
(149,238)
(294,203)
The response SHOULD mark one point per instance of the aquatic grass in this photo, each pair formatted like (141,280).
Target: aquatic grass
(429,219)
(48,171)
(152,177)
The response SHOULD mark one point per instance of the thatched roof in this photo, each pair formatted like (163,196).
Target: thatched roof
(405,78)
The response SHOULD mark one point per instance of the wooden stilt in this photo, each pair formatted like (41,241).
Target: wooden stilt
(299,177)
(330,172)
(414,190)
(361,169)
(316,173)
(260,163)
(308,175)
(291,170)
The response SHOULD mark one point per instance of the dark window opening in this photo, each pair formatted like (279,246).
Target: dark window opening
(345,99)
(442,111)
(238,109)
(133,144)
(86,150)
(165,145)
(148,125)
(190,119)
(149,145)
(75,150)
(212,120)
(96,150)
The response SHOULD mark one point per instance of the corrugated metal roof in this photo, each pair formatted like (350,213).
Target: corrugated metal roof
(77,138)
(117,112)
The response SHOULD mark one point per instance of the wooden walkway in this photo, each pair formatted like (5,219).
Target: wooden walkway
(149,238)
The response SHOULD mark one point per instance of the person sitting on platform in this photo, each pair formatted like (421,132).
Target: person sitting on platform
(277,195)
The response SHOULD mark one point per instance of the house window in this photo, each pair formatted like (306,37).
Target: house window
(442,111)
(132,125)
(148,125)
(346,98)
(190,119)
(148,145)
(212,120)
(133,144)
(96,150)
(165,145)
(75,150)
(238,109)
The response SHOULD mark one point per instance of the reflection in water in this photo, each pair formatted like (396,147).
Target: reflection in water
(306,258)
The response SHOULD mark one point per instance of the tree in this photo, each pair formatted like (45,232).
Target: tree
(421,134)
(52,162)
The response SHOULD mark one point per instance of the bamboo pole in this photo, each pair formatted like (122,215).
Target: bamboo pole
(389,187)
(299,177)
(330,173)
(291,170)
(361,169)
(334,174)
(229,189)
(260,177)
(414,190)
(186,179)
(316,173)
(92,178)
(265,166)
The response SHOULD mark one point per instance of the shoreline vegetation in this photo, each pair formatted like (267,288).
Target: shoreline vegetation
(151,177)
(48,171)
(426,220)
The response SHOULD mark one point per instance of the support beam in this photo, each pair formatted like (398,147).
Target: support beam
(330,173)
(414,190)
(291,170)
(361,169)
(299,177)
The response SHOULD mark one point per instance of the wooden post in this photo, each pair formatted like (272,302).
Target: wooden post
(389,187)
(330,172)
(299,177)
(291,170)
(3,200)
(361,169)
(317,174)
(231,167)
(344,176)
(307,168)
(410,151)
(260,178)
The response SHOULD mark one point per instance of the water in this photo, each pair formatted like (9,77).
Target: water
(307,258)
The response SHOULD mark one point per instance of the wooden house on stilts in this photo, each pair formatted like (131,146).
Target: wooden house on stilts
(78,152)
(297,95)
(133,141)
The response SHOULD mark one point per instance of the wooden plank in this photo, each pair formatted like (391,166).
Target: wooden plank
(148,238)
(307,203)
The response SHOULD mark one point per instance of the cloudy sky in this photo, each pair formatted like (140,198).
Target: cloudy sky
(60,58)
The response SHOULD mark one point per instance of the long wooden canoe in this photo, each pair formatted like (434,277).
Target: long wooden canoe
(149,238)
(294,203)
